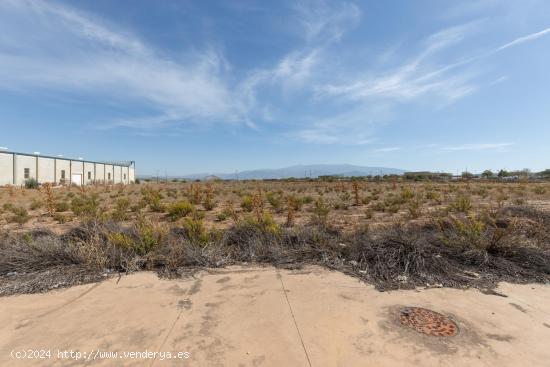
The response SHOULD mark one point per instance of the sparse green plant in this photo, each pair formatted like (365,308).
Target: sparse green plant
(61,218)
(121,240)
(320,212)
(85,205)
(149,236)
(62,206)
(462,204)
(36,204)
(121,209)
(195,230)
(20,215)
(180,209)
(31,183)
(223,215)
(275,200)
(265,222)
(414,208)
(247,203)
(433,195)
(209,202)
(539,190)
(406,195)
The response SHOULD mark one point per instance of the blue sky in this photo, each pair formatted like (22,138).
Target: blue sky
(218,86)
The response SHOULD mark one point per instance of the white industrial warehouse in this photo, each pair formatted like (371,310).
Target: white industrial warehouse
(17,168)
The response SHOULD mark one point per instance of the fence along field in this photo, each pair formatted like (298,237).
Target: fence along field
(393,234)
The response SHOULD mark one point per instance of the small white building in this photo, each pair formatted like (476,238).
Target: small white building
(16,168)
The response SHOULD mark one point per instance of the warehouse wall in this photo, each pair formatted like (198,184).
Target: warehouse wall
(77,168)
(22,162)
(109,171)
(89,168)
(46,168)
(6,168)
(100,173)
(50,169)
(63,165)
(125,175)
(118,174)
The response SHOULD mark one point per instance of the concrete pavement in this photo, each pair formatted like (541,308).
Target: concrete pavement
(268,317)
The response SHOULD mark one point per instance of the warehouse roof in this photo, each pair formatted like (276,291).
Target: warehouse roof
(114,163)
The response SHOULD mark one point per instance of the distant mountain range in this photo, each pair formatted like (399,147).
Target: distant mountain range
(301,171)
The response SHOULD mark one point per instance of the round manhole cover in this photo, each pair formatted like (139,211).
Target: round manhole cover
(427,322)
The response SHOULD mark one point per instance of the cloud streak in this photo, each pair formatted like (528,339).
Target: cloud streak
(524,39)
(478,146)
(48,47)
(418,77)
(106,61)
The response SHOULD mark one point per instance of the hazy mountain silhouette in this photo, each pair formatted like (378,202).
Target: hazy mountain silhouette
(300,171)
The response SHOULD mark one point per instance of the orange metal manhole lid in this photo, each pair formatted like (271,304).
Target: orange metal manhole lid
(427,322)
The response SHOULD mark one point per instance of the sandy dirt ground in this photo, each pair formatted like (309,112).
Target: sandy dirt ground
(269,317)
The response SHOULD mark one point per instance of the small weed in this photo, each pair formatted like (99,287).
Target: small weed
(247,204)
(180,209)
(31,183)
(20,215)
(462,204)
(320,212)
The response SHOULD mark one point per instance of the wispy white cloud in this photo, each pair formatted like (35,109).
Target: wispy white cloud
(87,55)
(418,77)
(323,24)
(524,39)
(386,149)
(353,127)
(478,146)
(324,21)
(422,75)
(46,46)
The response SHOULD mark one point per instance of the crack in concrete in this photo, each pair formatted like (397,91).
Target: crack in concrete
(69,302)
(294,318)
(166,337)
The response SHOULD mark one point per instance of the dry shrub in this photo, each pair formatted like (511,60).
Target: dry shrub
(258,205)
(501,245)
(121,209)
(275,200)
(36,252)
(290,211)
(86,206)
(19,215)
(355,186)
(462,204)
(209,202)
(320,212)
(50,199)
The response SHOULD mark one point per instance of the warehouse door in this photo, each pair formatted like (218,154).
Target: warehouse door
(76,179)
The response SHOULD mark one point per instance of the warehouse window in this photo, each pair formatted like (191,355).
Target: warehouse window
(62,174)
(89,175)
(125,177)
(27,173)
(109,176)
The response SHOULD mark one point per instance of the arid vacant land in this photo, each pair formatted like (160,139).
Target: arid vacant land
(394,234)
